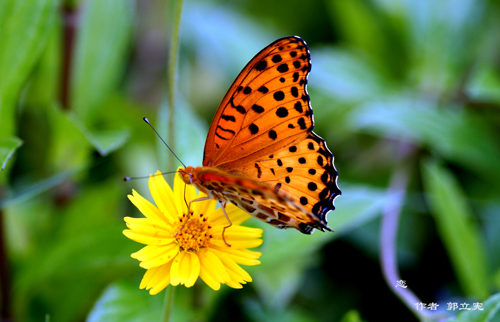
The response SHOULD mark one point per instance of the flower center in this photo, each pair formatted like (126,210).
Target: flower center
(194,234)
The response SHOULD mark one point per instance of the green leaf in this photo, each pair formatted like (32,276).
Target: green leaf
(484,84)
(259,313)
(24,30)
(68,146)
(491,307)
(347,75)
(286,254)
(442,41)
(124,301)
(43,88)
(101,49)
(85,252)
(352,316)
(100,52)
(105,141)
(457,229)
(359,25)
(458,135)
(7,147)
(37,188)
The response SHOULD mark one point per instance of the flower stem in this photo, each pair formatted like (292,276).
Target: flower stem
(167,305)
(5,285)
(175,14)
(390,221)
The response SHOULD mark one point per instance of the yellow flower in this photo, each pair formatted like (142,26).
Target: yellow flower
(178,251)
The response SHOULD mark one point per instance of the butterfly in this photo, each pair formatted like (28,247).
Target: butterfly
(261,153)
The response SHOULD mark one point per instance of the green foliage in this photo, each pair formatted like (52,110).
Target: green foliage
(123,301)
(394,84)
(24,30)
(7,147)
(491,307)
(459,232)
(100,52)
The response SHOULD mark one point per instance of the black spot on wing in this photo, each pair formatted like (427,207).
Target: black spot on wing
(260,66)
(302,123)
(263,89)
(279,95)
(283,68)
(282,112)
(298,107)
(253,128)
(258,109)
(229,118)
(259,170)
(241,109)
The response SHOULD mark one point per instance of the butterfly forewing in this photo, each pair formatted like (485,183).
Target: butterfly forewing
(266,108)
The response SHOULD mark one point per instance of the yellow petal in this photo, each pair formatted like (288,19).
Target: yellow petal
(145,238)
(177,275)
(213,266)
(145,207)
(156,279)
(191,268)
(149,252)
(231,266)
(185,269)
(236,280)
(150,227)
(241,256)
(163,196)
(159,256)
(209,280)
(243,233)
(236,244)
(153,276)
(204,207)
(146,279)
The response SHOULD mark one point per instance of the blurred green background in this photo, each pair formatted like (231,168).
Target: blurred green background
(400,89)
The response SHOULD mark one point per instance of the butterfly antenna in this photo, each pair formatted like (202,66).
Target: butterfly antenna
(175,155)
(145,177)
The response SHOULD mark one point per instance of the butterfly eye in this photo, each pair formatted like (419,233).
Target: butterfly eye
(190,178)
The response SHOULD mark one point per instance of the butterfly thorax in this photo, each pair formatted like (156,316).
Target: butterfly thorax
(191,175)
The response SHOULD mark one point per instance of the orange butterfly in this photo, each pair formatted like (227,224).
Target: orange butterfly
(261,153)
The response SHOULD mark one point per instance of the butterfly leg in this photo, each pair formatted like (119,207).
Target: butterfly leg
(189,212)
(223,207)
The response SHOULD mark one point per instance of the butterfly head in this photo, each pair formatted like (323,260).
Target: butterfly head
(187,174)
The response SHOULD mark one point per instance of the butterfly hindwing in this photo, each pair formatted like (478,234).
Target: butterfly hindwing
(259,199)
(306,171)
(266,108)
